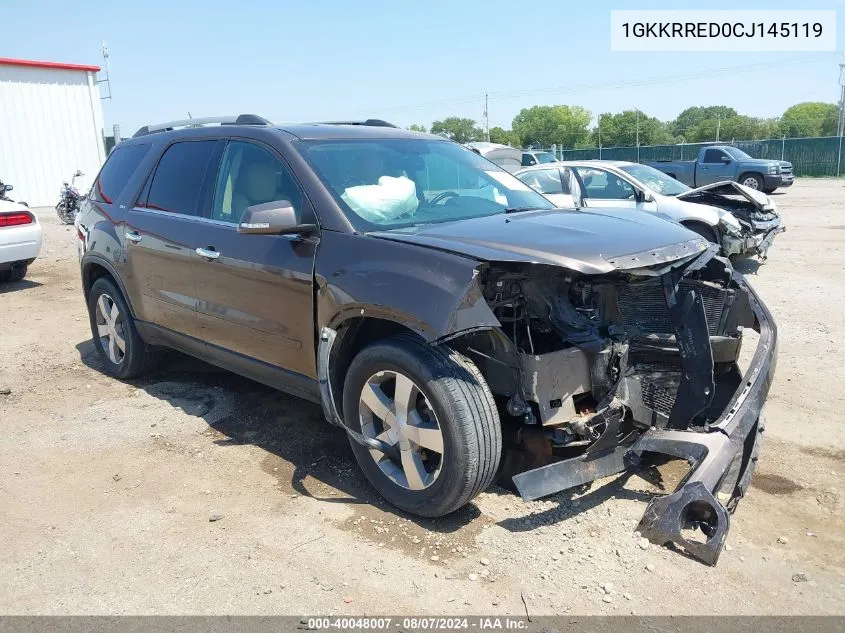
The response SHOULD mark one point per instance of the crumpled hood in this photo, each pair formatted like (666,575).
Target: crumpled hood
(729,188)
(592,242)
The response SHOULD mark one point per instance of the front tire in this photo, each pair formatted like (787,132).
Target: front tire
(755,181)
(434,406)
(118,343)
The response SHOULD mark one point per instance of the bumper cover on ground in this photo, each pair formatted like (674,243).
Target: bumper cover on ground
(722,457)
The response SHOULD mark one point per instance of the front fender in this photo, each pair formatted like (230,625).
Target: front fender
(433,293)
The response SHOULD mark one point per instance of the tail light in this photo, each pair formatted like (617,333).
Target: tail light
(16,218)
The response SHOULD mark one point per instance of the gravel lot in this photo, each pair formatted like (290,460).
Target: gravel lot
(107,489)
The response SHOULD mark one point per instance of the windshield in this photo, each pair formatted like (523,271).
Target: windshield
(391,183)
(655,180)
(735,153)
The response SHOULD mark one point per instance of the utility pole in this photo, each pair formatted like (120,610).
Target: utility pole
(840,128)
(486,119)
(638,135)
(599,126)
(718,126)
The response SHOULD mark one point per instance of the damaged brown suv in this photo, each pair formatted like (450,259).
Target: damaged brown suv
(446,317)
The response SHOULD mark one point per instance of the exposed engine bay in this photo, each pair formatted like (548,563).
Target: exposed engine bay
(588,367)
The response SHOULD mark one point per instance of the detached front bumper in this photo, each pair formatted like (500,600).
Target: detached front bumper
(723,457)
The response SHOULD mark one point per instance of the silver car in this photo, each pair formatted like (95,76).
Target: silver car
(741,220)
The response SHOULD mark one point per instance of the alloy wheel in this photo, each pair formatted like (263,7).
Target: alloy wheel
(110,329)
(750,182)
(394,409)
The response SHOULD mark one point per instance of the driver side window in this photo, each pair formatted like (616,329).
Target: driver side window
(713,156)
(602,185)
(251,175)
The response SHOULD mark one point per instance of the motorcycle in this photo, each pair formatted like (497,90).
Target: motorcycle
(3,189)
(69,200)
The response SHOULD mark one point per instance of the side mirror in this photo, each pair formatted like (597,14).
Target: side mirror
(644,196)
(272,218)
(79,173)
(8,187)
(726,159)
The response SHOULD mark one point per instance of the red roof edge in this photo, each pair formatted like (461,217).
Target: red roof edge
(6,61)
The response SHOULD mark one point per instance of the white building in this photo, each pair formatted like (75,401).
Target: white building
(51,124)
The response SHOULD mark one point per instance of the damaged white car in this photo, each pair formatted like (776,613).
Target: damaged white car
(742,221)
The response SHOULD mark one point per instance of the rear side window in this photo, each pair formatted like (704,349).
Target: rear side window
(121,164)
(179,176)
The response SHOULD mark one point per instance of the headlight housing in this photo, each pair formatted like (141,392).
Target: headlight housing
(774,169)
(730,224)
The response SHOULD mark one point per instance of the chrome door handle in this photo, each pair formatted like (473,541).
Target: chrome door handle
(208,254)
(134,236)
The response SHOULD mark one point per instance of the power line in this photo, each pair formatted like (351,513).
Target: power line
(656,79)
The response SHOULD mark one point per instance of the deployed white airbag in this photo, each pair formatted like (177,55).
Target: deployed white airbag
(388,200)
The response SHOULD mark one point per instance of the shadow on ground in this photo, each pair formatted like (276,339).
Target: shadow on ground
(747,265)
(15,286)
(300,444)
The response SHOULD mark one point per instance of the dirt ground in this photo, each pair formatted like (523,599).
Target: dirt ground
(107,488)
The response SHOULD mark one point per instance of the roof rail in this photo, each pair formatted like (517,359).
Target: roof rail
(240,119)
(369,122)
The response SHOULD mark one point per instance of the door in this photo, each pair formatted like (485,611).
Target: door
(553,183)
(255,293)
(160,234)
(603,189)
(715,165)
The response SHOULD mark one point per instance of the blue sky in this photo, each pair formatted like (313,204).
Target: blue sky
(401,61)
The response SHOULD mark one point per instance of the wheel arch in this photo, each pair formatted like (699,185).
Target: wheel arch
(93,268)
(702,228)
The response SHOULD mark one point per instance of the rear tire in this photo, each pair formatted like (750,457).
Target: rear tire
(449,395)
(14,274)
(118,343)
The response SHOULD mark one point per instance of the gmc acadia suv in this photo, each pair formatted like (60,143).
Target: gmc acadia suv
(451,321)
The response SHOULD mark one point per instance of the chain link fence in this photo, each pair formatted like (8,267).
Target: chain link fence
(819,156)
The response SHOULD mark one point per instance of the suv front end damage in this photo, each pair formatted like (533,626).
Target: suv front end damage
(598,370)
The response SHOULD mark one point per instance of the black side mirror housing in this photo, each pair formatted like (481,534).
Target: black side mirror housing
(8,187)
(272,218)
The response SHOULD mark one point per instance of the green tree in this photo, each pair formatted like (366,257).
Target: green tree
(416,127)
(741,128)
(620,130)
(546,125)
(458,129)
(699,116)
(505,137)
(811,118)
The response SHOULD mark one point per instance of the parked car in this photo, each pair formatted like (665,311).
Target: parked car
(740,220)
(20,238)
(537,157)
(446,316)
(507,157)
(722,162)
